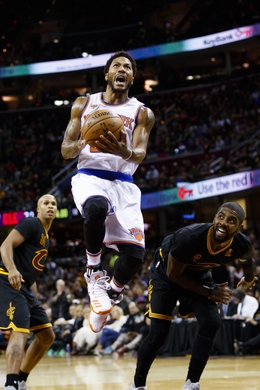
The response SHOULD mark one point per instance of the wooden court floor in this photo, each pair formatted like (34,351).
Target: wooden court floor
(116,373)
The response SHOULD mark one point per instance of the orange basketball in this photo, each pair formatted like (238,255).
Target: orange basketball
(100,122)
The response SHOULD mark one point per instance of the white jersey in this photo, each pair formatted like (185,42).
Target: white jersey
(124,222)
(91,158)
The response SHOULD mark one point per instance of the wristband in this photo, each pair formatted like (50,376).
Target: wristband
(128,158)
(210,289)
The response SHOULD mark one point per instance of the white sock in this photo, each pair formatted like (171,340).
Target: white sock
(93,260)
(116,287)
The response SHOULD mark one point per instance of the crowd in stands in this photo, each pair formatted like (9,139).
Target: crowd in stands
(30,155)
(199,133)
(132,24)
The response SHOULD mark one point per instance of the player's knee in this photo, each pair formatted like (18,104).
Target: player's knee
(126,267)
(45,337)
(158,333)
(210,327)
(95,210)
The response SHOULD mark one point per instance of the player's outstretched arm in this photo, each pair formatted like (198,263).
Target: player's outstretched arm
(72,143)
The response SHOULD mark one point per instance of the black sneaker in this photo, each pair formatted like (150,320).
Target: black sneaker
(115,296)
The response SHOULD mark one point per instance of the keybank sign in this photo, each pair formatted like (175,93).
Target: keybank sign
(203,189)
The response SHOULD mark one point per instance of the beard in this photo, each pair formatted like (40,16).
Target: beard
(225,238)
(119,90)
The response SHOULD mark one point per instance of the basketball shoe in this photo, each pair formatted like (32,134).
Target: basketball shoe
(115,297)
(191,386)
(98,285)
(22,385)
(132,387)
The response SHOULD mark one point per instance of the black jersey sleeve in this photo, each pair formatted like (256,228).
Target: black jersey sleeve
(246,247)
(27,227)
(181,247)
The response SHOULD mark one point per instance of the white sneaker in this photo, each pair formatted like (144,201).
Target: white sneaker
(98,285)
(97,321)
(22,385)
(9,388)
(132,387)
(191,386)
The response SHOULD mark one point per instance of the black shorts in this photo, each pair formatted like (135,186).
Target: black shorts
(163,295)
(162,298)
(20,310)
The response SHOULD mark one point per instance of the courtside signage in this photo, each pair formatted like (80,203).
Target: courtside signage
(203,189)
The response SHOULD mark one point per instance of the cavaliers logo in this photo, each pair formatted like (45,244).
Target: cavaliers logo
(10,311)
(39,259)
(196,258)
(137,233)
(43,240)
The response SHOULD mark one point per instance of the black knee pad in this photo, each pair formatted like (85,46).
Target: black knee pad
(95,210)
(125,267)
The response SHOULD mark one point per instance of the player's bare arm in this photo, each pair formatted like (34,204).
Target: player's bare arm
(13,240)
(72,143)
(142,131)
(248,280)
(176,272)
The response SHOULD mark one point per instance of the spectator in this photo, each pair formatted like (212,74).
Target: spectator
(251,346)
(131,333)
(112,328)
(84,339)
(246,305)
(66,330)
(59,303)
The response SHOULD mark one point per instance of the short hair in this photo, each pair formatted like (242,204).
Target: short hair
(240,294)
(235,207)
(121,53)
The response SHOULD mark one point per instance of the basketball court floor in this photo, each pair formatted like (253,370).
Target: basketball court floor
(116,373)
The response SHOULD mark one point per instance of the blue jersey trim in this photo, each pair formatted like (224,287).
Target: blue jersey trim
(108,175)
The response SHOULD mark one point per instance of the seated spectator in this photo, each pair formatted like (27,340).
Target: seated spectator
(84,339)
(65,330)
(131,333)
(251,346)
(245,305)
(111,330)
(152,176)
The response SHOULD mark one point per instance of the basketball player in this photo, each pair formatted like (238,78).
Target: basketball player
(103,190)
(23,255)
(181,270)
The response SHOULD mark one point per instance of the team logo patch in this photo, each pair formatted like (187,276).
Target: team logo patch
(39,259)
(10,312)
(137,233)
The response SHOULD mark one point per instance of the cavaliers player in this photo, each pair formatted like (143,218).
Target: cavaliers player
(181,270)
(103,188)
(23,255)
